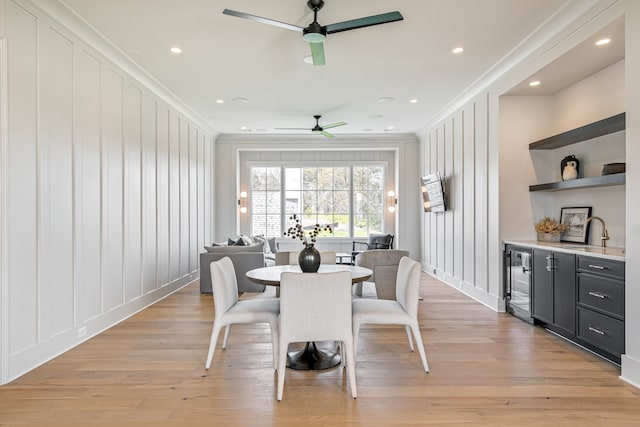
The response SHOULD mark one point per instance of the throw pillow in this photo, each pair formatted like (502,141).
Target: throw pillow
(273,245)
(239,242)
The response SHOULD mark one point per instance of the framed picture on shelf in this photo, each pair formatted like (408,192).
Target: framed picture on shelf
(575,220)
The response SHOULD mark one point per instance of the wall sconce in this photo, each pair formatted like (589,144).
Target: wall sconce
(392,201)
(242,202)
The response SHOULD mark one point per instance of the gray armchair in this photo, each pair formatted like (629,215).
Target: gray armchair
(384,264)
(375,241)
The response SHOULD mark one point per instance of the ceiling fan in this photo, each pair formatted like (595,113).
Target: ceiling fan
(319,129)
(315,33)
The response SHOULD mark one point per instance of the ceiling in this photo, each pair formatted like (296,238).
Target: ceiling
(370,76)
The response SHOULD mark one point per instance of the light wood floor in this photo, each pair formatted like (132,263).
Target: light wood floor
(486,369)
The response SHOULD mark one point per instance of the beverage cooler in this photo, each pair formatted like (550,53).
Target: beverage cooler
(517,281)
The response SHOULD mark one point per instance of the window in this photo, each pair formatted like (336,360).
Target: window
(349,198)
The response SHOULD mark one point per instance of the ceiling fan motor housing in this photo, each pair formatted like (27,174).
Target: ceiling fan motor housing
(315,5)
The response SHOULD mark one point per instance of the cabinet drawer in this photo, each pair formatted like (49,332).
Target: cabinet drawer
(601,331)
(601,294)
(601,266)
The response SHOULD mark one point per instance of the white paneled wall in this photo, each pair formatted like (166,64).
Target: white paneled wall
(106,192)
(455,243)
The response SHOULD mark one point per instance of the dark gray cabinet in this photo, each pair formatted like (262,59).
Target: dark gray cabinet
(554,290)
(600,305)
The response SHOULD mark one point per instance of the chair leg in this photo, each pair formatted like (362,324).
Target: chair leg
(356,332)
(351,366)
(212,344)
(416,333)
(226,336)
(358,289)
(282,362)
(408,330)
(273,325)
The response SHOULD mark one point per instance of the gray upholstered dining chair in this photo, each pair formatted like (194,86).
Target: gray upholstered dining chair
(384,264)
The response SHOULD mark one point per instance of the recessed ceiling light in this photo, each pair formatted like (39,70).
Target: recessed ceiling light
(602,42)
(389,128)
(175,49)
(534,83)
(219,101)
(413,101)
(375,116)
(367,130)
(240,100)
(457,50)
(385,99)
(308,59)
(261,130)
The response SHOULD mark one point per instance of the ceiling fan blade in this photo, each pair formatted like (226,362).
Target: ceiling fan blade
(291,128)
(334,125)
(317,53)
(262,20)
(364,22)
(327,134)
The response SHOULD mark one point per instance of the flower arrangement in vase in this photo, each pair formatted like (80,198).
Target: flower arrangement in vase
(307,238)
(309,258)
(549,229)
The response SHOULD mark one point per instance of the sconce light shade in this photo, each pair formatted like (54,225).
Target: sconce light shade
(242,202)
(392,201)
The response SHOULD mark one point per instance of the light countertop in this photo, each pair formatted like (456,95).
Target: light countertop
(612,253)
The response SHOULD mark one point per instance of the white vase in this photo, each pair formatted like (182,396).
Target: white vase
(548,237)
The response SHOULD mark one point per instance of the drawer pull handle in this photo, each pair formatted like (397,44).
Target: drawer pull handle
(597,331)
(597,267)
(597,295)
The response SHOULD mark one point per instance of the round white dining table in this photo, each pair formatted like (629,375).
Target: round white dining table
(311,358)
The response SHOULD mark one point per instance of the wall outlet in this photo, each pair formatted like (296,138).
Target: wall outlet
(82,332)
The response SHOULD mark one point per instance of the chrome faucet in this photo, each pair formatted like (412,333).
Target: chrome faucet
(605,234)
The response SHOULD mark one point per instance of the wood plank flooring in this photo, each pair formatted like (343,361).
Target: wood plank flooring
(487,368)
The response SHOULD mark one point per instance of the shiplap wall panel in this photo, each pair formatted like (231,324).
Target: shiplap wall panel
(448,216)
(22,197)
(208,208)
(149,218)
(201,196)
(184,197)
(88,190)
(93,160)
(132,193)
(162,170)
(481,187)
(469,198)
(456,242)
(440,217)
(112,174)
(174,196)
(55,273)
(456,196)
(193,198)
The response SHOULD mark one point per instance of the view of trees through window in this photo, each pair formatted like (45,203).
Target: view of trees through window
(348,198)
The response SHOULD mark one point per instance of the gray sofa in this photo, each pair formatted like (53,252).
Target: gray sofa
(244,258)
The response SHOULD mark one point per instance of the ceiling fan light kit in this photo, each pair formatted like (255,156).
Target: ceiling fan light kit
(315,34)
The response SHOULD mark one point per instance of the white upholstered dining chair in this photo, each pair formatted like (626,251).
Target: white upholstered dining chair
(316,307)
(229,310)
(402,311)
